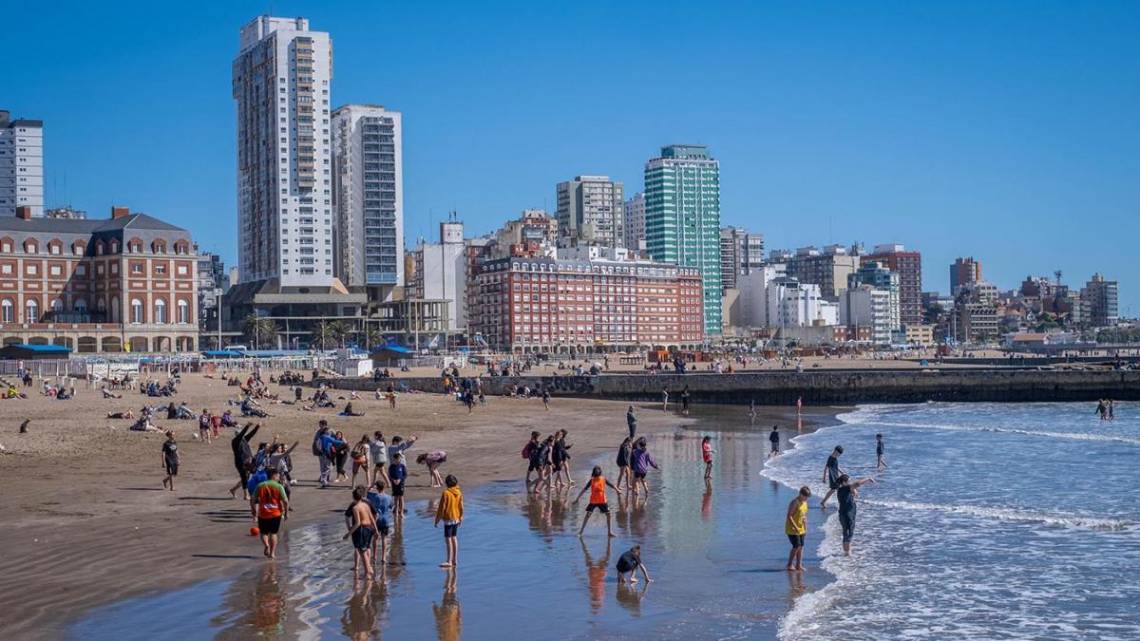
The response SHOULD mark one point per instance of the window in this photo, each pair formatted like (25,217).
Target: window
(160,311)
(114,246)
(160,268)
(6,247)
(136,311)
(30,246)
(7,311)
(57,306)
(31,311)
(81,270)
(55,270)
(33,270)
(5,269)
(55,248)
(183,312)
(182,270)
(81,306)
(136,268)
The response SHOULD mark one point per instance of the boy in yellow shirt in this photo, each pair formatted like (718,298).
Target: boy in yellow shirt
(795,526)
(450,511)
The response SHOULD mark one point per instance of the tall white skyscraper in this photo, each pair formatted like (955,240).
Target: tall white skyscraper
(590,211)
(368,194)
(21,165)
(281,82)
(635,222)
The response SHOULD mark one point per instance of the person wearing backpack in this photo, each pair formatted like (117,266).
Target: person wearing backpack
(530,453)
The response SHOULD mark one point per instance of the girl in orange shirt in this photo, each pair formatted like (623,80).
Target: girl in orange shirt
(597,487)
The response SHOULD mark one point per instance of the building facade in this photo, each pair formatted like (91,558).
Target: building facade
(21,165)
(908,265)
(634,214)
(609,302)
(127,283)
(877,275)
(682,218)
(591,211)
(440,273)
(740,253)
(1100,302)
(865,306)
(281,82)
(212,281)
(791,303)
(974,319)
(964,271)
(368,196)
(829,268)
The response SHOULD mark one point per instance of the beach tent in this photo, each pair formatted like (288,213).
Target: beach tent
(24,352)
(391,352)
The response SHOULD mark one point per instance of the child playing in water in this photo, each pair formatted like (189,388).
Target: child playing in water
(629,563)
(706,454)
(450,511)
(795,526)
(597,487)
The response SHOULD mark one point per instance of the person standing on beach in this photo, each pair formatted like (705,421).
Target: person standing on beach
(625,450)
(270,506)
(597,488)
(530,453)
(831,474)
(640,462)
(382,511)
(880,462)
(170,460)
(379,450)
(846,494)
(243,457)
(398,473)
(631,422)
(685,399)
(330,445)
(361,526)
(399,445)
(706,455)
(450,511)
(774,439)
(664,400)
(546,399)
(795,526)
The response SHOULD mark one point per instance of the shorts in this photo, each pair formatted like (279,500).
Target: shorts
(847,523)
(384,529)
(707,459)
(639,475)
(450,529)
(534,467)
(797,540)
(398,490)
(833,484)
(362,538)
(622,568)
(269,526)
(604,508)
(172,469)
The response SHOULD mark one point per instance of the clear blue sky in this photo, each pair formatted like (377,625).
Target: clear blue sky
(1006,131)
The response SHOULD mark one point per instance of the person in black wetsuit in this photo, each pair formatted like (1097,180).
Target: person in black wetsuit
(880,462)
(243,457)
(631,422)
(846,494)
(831,473)
(774,439)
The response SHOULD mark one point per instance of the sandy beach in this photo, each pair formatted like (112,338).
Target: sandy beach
(87,522)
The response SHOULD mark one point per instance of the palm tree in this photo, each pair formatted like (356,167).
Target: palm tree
(259,330)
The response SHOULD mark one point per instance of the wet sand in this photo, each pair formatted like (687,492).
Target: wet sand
(87,522)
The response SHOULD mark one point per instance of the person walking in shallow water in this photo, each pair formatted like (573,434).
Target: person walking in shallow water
(846,494)
(880,449)
(795,526)
(450,511)
(706,456)
(831,474)
(597,487)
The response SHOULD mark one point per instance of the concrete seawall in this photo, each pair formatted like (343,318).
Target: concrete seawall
(817,387)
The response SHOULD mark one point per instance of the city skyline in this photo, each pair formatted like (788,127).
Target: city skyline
(997,172)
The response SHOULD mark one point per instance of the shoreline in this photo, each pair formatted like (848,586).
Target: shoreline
(88,524)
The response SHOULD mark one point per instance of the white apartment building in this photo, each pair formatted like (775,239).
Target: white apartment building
(866,306)
(282,81)
(440,273)
(591,210)
(791,303)
(21,165)
(368,195)
(634,219)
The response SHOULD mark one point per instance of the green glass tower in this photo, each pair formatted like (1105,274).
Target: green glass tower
(682,218)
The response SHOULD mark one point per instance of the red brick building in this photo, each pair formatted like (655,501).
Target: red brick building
(113,285)
(908,265)
(542,304)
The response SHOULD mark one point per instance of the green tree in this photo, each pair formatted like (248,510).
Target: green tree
(259,331)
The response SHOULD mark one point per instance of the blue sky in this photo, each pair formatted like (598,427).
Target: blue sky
(1007,131)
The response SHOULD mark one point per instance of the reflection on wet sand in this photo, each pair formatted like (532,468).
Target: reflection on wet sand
(596,575)
(448,617)
(629,596)
(260,605)
(361,618)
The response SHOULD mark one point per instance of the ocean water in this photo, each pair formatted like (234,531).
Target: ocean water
(991,521)
(716,553)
